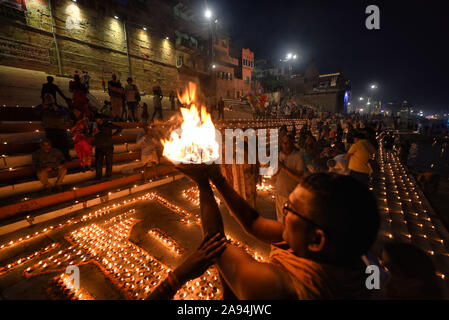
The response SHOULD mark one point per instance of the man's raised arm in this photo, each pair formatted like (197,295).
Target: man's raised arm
(264,229)
(211,220)
(247,278)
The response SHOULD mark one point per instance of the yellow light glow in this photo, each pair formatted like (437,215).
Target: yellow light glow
(73,10)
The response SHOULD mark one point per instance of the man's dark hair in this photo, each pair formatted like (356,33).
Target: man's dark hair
(359,135)
(340,147)
(157,91)
(45,141)
(283,130)
(99,116)
(50,79)
(130,79)
(347,208)
(291,137)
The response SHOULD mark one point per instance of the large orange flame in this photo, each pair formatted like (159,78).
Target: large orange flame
(195,141)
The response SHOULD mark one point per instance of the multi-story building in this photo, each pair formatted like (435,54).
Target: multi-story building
(233,68)
(329,92)
(244,72)
(224,66)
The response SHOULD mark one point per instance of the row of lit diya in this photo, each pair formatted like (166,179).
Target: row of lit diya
(404,209)
(68,290)
(193,195)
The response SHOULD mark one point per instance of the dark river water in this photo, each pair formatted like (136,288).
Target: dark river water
(430,156)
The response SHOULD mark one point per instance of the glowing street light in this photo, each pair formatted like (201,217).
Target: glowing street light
(361,98)
(214,66)
(373,86)
(208,14)
(290,56)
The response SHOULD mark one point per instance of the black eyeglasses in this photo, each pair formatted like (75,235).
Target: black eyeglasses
(287,208)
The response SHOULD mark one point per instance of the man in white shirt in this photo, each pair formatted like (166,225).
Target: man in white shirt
(338,164)
(291,168)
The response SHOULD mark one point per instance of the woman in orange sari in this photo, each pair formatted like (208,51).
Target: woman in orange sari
(81,139)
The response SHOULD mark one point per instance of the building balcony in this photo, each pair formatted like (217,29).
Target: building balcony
(224,59)
(195,72)
(189,47)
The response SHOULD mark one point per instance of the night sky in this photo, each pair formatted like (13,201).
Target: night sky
(408,57)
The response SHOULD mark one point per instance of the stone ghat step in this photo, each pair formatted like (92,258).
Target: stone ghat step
(28,126)
(33,203)
(234,102)
(29,147)
(23,113)
(71,178)
(23,160)
(16,175)
(39,134)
